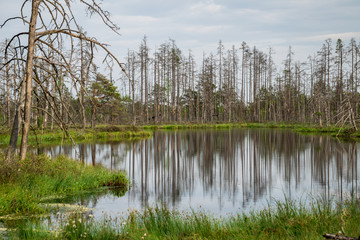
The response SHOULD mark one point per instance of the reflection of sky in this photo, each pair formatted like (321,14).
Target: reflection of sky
(224,172)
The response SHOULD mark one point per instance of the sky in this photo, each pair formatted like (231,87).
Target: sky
(200,24)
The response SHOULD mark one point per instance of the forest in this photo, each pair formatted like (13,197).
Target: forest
(167,85)
(56,80)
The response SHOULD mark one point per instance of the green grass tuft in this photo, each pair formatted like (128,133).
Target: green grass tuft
(23,184)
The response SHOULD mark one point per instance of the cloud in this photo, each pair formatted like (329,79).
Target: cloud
(136,19)
(205,8)
(200,24)
(203,29)
(344,36)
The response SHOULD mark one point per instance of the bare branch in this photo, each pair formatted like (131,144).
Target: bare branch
(22,12)
(93,7)
(9,19)
(81,36)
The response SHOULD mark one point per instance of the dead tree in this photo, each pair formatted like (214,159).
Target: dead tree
(61,23)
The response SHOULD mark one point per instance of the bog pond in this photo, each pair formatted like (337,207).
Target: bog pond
(221,171)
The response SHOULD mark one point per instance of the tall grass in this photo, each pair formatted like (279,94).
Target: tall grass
(101,133)
(73,226)
(24,184)
(282,220)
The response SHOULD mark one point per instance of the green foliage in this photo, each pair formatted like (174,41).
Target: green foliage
(106,99)
(38,177)
(283,220)
(102,132)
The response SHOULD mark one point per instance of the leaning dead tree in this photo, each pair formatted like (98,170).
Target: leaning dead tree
(51,24)
(346,114)
(339,237)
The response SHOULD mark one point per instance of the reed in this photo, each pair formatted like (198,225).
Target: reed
(280,220)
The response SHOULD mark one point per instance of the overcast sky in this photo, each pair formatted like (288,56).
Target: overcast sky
(199,25)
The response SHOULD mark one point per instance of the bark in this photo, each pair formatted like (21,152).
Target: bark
(133,91)
(7,79)
(82,87)
(173,82)
(16,127)
(28,78)
(156,90)
(339,237)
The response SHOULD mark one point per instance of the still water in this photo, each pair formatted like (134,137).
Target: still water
(222,171)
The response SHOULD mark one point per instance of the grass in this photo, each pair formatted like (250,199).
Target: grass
(104,133)
(282,220)
(23,185)
(101,133)
(344,132)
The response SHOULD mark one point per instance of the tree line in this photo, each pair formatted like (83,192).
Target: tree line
(244,84)
(168,86)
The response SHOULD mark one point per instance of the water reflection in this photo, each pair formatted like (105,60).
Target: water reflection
(224,170)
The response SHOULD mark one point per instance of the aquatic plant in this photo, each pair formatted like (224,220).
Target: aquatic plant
(280,220)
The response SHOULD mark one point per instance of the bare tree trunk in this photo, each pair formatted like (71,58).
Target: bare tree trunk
(46,116)
(221,100)
(8,107)
(28,79)
(131,64)
(165,86)
(146,81)
(82,86)
(93,112)
(242,100)
(16,126)
(270,116)
(173,81)
(178,108)
(356,82)
(14,135)
(141,85)
(192,89)
(156,88)
(198,104)
(7,80)
(328,88)
(53,104)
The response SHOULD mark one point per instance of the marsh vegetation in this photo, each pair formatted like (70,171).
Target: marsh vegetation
(226,141)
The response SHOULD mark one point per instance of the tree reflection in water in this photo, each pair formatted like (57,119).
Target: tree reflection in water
(227,170)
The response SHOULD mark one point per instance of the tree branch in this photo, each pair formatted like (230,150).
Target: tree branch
(9,19)
(81,36)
